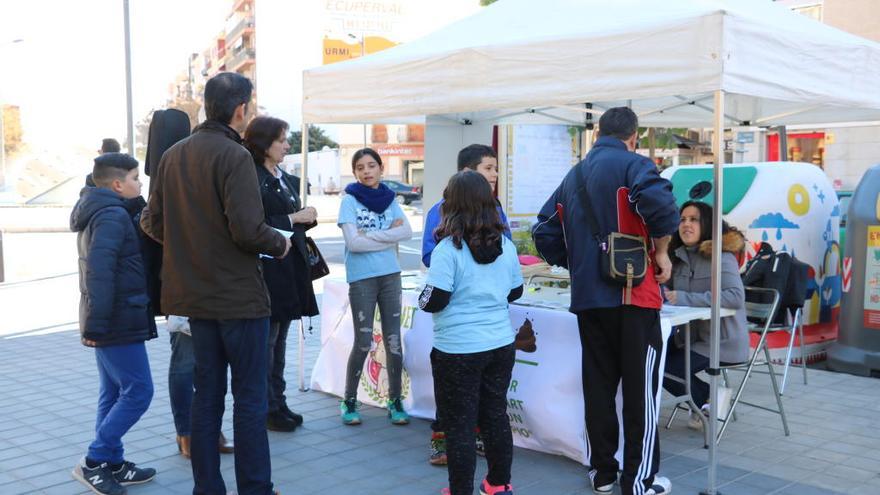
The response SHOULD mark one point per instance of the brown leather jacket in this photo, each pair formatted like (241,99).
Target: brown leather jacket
(205,208)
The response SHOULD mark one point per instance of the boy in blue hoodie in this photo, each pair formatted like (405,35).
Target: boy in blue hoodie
(481,159)
(114,317)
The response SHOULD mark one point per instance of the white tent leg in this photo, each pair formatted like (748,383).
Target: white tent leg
(304,179)
(303,194)
(718,149)
(302,360)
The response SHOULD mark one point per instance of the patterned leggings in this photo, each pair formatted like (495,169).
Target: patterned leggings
(471,390)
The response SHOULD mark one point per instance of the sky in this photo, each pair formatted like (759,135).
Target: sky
(290,34)
(68,75)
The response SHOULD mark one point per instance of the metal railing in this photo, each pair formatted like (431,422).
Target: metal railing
(24,230)
(245,23)
(239,58)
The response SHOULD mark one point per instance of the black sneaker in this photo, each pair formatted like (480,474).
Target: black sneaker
(99,479)
(278,421)
(297,418)
(129,474)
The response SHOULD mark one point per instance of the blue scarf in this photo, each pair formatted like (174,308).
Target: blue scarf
(376,200)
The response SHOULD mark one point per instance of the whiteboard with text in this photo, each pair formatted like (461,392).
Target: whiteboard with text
(538,157)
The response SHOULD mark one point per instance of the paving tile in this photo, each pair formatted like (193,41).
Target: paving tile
(851,473)
(763,481)
(38,450)
(739,488)
(802,489)
(17,486)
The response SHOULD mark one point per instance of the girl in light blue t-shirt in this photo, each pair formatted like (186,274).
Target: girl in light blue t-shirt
(372,223)
(474,274)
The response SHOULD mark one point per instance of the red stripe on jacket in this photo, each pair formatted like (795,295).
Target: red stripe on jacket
(647,294)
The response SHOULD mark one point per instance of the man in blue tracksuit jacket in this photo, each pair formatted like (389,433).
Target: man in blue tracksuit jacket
(620,340)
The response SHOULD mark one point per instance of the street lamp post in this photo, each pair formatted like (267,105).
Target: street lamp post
(2,134)
(129,114)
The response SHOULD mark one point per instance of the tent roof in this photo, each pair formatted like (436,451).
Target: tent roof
(551,57)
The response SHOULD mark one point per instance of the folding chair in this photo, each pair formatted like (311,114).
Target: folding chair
(763,313)
(796,327)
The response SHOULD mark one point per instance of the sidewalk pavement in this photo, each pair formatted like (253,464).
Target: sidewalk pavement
(49,389)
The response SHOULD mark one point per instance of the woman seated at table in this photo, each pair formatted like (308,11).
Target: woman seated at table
(690,285)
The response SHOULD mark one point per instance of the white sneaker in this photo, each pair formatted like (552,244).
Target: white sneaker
(661,486)
(604,489)
(601,490)
(694,422)
(724,396)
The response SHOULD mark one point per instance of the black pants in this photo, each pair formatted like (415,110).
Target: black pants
(471,390)
(622,344)
(278,331)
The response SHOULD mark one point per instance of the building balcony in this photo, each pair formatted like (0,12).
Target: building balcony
(240,59)
(246,25)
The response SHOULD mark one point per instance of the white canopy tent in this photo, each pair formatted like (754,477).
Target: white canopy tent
(776,67)
(677,63)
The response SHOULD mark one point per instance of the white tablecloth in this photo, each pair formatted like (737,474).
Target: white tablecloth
(546,406)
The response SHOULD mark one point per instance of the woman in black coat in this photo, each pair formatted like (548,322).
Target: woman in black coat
(288,279)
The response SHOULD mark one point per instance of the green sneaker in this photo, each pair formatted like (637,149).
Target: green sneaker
(396,413)
(349,409)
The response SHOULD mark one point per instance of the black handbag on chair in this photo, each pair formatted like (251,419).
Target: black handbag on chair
(317,266)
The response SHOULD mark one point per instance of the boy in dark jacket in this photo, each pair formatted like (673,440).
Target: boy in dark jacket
(114,317)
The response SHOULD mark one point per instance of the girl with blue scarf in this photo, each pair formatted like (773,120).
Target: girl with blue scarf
(373,224)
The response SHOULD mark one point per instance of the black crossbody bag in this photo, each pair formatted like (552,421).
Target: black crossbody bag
(623,258)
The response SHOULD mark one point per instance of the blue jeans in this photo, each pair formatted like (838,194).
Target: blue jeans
(125,394)
(180,381)
(241,345)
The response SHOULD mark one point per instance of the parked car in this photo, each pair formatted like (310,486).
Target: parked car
(405,193)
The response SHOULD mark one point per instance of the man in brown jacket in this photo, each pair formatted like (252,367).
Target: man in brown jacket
(207,212)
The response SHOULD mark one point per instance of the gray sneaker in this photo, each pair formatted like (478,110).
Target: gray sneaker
(99,479)
(129,474)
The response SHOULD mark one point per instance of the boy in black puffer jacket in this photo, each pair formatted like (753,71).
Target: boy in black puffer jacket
(114,317)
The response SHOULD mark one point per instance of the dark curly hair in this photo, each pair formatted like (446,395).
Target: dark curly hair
(469,213)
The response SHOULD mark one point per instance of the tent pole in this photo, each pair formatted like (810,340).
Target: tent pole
(304,170)
(783,143)
(715,329)
(303,194)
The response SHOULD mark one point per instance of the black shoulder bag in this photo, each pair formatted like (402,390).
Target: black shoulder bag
(623,258)
(317,266)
